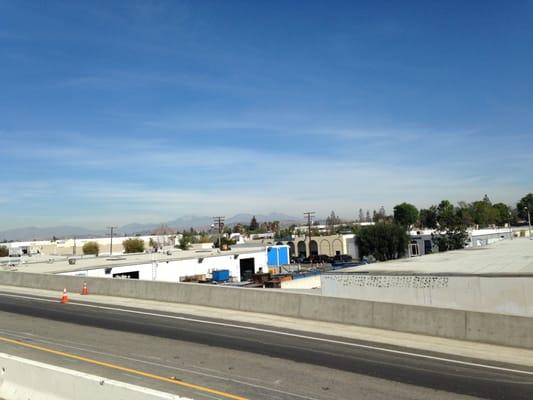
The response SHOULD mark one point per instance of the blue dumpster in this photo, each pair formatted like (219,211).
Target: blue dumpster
(221,275)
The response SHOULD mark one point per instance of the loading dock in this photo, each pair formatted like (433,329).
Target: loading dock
(247,268)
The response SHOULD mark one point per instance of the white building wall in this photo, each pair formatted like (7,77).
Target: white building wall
(66,246)
(503,295)
(350,246)
(173,271)
(483,237)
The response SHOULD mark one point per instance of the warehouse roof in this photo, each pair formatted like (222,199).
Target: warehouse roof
(502,258)
(55,264)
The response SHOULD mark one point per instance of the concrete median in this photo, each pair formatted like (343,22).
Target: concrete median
(457,324)
(23,379)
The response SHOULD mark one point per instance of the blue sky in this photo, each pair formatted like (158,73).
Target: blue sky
(115,112)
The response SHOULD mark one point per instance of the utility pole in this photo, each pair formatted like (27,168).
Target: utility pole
(511,224)
(111,228)
(219,221)
(528,222)
(74,248)
(309,215)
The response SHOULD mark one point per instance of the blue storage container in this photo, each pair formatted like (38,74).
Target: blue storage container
(221,275)
(272,257)
(283,255)
(277,255)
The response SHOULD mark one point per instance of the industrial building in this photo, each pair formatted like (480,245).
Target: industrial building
(330,245)
(186,266)
(238,264)
(494,278)
(73,246)
(422,240)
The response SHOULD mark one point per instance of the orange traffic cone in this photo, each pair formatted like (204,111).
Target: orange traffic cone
(85,289)
(64,298)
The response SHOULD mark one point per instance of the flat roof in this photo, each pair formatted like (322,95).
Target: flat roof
(505,257)
(55,264)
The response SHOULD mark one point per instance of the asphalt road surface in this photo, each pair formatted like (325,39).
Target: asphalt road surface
(206,358)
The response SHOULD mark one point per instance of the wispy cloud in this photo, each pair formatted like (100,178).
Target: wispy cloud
(124,79)
(236,181)
(282,123)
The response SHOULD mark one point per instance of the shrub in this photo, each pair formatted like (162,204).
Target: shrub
(91,248)
(133,245)
(4,251)
(185,242)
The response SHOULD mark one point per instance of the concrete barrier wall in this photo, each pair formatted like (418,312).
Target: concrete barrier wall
(502,294)
(22,379)
(309,282)
(457,324)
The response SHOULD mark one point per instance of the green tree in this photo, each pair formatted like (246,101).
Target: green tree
(185,242)
(332,220)
(254,226)
(133,245)
(503,214)
(525,204)
(4,251)
(225,241)
(465,213)
(91,248)
(188,238)
(428,218)
(382,241)
(239,228)
(484,213)
(153,244)
(405,214)
(446,215)
(263,228)
(283,234)
(204,238)
(451,231)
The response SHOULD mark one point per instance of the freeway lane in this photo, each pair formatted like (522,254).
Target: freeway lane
(290,366)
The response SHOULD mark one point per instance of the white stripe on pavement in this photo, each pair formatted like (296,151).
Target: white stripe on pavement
(281,333)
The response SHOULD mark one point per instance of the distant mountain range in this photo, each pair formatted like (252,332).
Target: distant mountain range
(31,233)
(185,222)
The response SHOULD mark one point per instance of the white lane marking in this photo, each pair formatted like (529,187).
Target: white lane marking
(288,334)
(40,339)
